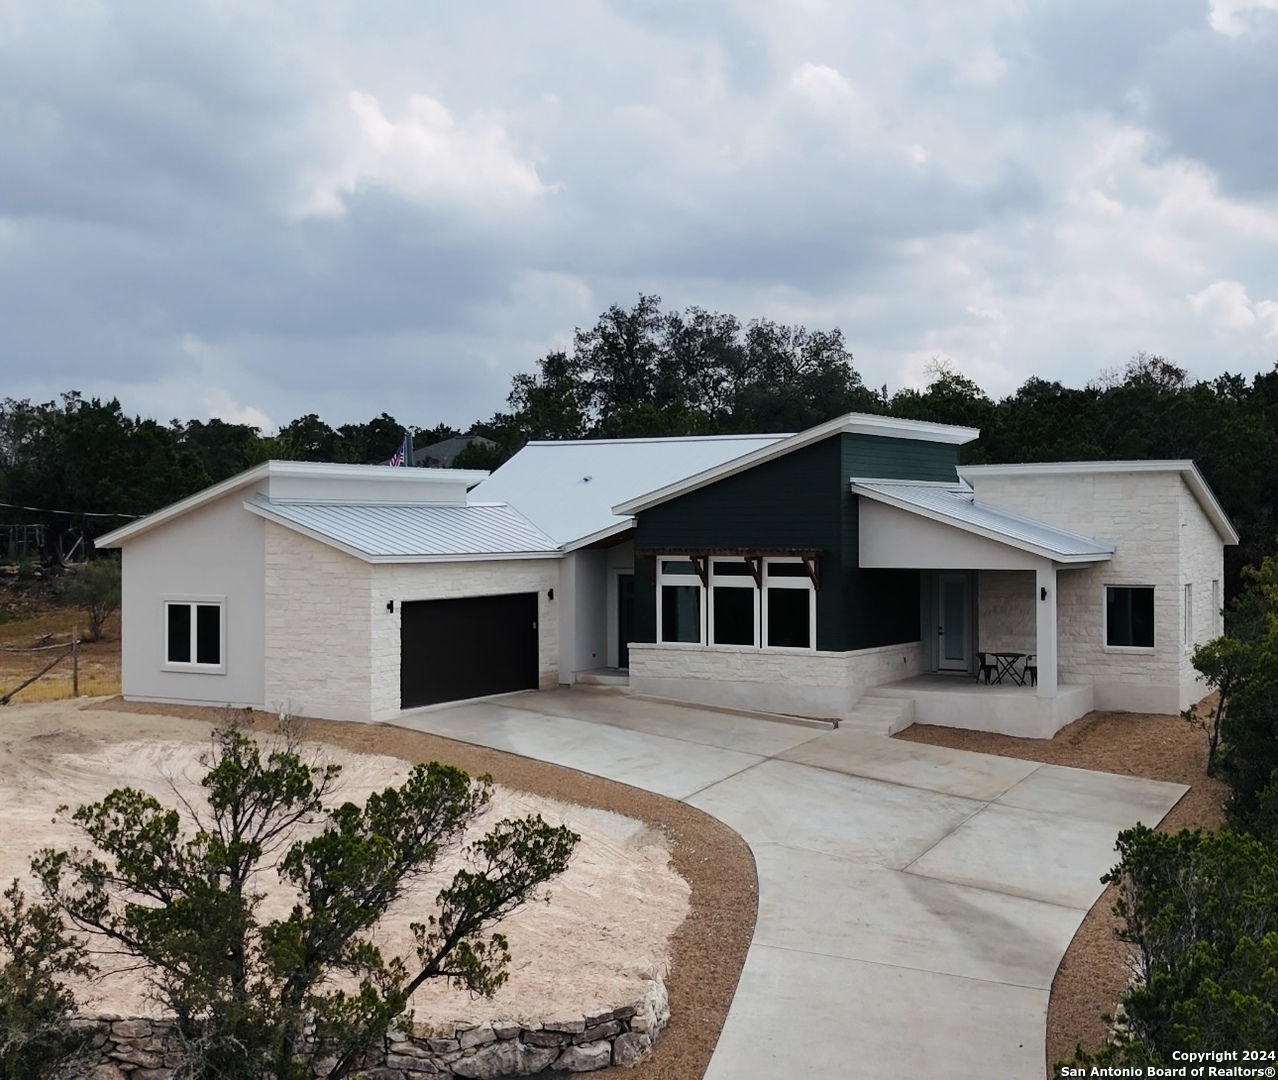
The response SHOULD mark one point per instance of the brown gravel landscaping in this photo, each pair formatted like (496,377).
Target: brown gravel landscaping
(1093,972)
(708,950)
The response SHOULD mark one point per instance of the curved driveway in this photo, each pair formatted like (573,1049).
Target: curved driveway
(914,901)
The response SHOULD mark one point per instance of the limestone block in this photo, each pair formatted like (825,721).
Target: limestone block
(507,1057)
(630,1049)
(585,1057)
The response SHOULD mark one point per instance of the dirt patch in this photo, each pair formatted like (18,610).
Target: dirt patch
(706,952)
(1094,971)
(25,640)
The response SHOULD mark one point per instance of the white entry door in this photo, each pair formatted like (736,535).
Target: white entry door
(952,650)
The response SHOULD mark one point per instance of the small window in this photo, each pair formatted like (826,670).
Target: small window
(790,618)
(1129,616)
(193,634)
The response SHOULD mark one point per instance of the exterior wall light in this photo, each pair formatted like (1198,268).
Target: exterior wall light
(390,605)
(1042,593)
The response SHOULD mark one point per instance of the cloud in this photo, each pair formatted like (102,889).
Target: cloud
(425,157)
(1228,307)
(1235,17)
(822,86)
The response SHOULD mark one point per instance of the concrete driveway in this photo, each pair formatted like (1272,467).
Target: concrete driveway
(914,901)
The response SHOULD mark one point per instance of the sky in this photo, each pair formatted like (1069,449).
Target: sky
(255,210)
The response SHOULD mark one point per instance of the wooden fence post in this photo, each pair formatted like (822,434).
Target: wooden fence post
(75,662)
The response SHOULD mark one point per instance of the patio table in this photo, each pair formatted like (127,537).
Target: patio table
(1005,664)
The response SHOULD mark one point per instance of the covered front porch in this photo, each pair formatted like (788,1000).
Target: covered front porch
(948,700)
(988,586)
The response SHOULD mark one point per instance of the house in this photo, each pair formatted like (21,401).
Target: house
(789,573)
(440,455)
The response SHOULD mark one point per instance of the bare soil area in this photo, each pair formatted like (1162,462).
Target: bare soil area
(32,634)
(712,916)
(1094,970)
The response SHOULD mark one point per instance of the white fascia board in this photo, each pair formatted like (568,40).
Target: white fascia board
(988,534)
(595,537)
(1187,469)
(851,424)
(306,469)
(381,560)
(183,506)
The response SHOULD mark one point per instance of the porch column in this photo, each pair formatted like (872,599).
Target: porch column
(1045,606)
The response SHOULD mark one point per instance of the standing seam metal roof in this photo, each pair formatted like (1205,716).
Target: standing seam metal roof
(413,531)
(958,506)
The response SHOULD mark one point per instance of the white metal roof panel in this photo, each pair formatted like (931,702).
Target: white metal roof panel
(569,488)
(388,533)
(955,504)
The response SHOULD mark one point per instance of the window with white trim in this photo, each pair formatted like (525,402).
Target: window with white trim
(789,605)
(1129,616)
(734,603)
(767,603)
(680,604)
(194,635)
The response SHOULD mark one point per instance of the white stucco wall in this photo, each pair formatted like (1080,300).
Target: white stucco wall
(441,581)
(582,603)
(1141,514)
(1202,561)
(213,552)
(1005,611)
(318,619)
(823,685)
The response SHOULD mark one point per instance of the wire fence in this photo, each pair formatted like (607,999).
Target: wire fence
(70,649)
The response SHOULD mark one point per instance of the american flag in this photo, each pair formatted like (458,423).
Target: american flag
(403,454)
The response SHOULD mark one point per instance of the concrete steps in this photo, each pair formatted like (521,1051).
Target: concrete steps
(603,677)
(879,716)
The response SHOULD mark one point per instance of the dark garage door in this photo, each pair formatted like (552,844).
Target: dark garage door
(454,649)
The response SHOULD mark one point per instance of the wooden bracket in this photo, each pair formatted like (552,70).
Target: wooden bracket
(812,563)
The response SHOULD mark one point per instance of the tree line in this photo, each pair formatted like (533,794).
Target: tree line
(646,371)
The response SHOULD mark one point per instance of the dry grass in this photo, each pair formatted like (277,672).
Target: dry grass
(1093,972)
(99,660)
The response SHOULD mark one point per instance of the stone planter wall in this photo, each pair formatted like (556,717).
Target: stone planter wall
(139,1049)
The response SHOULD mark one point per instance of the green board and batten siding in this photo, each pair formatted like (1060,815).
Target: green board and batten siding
(802,500)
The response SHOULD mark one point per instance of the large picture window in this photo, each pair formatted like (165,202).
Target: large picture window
(193,634)
(1129,616)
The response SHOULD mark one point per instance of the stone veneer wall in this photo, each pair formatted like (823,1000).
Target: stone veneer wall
(823,685)
(1141,513)
(141,1049)
(1006,616)
(317,628)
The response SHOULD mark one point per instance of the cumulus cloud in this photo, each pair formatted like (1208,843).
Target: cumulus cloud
(1235,17)
(822,86)
(1228,307)
(425,156)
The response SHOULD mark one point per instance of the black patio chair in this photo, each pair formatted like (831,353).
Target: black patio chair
(1030,672)
(985,666)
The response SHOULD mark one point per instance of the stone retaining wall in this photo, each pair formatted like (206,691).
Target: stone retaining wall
(141,1049)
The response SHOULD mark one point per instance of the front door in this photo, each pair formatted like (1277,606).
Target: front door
(625,618)
(952,651)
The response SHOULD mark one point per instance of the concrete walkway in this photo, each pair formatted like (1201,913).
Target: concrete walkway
(914,901)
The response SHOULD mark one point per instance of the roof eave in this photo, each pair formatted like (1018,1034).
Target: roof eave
(1071,558)
(849,423)
(600,534)
(182,506)
(1188,470)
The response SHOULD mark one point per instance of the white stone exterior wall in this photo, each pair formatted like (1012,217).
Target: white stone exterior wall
(1141,513)
(318,616)
(824,685)
(443,581)
(1005,618)
(1202,561)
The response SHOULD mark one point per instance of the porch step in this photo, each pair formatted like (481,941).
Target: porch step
(603,677)
(879,716)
